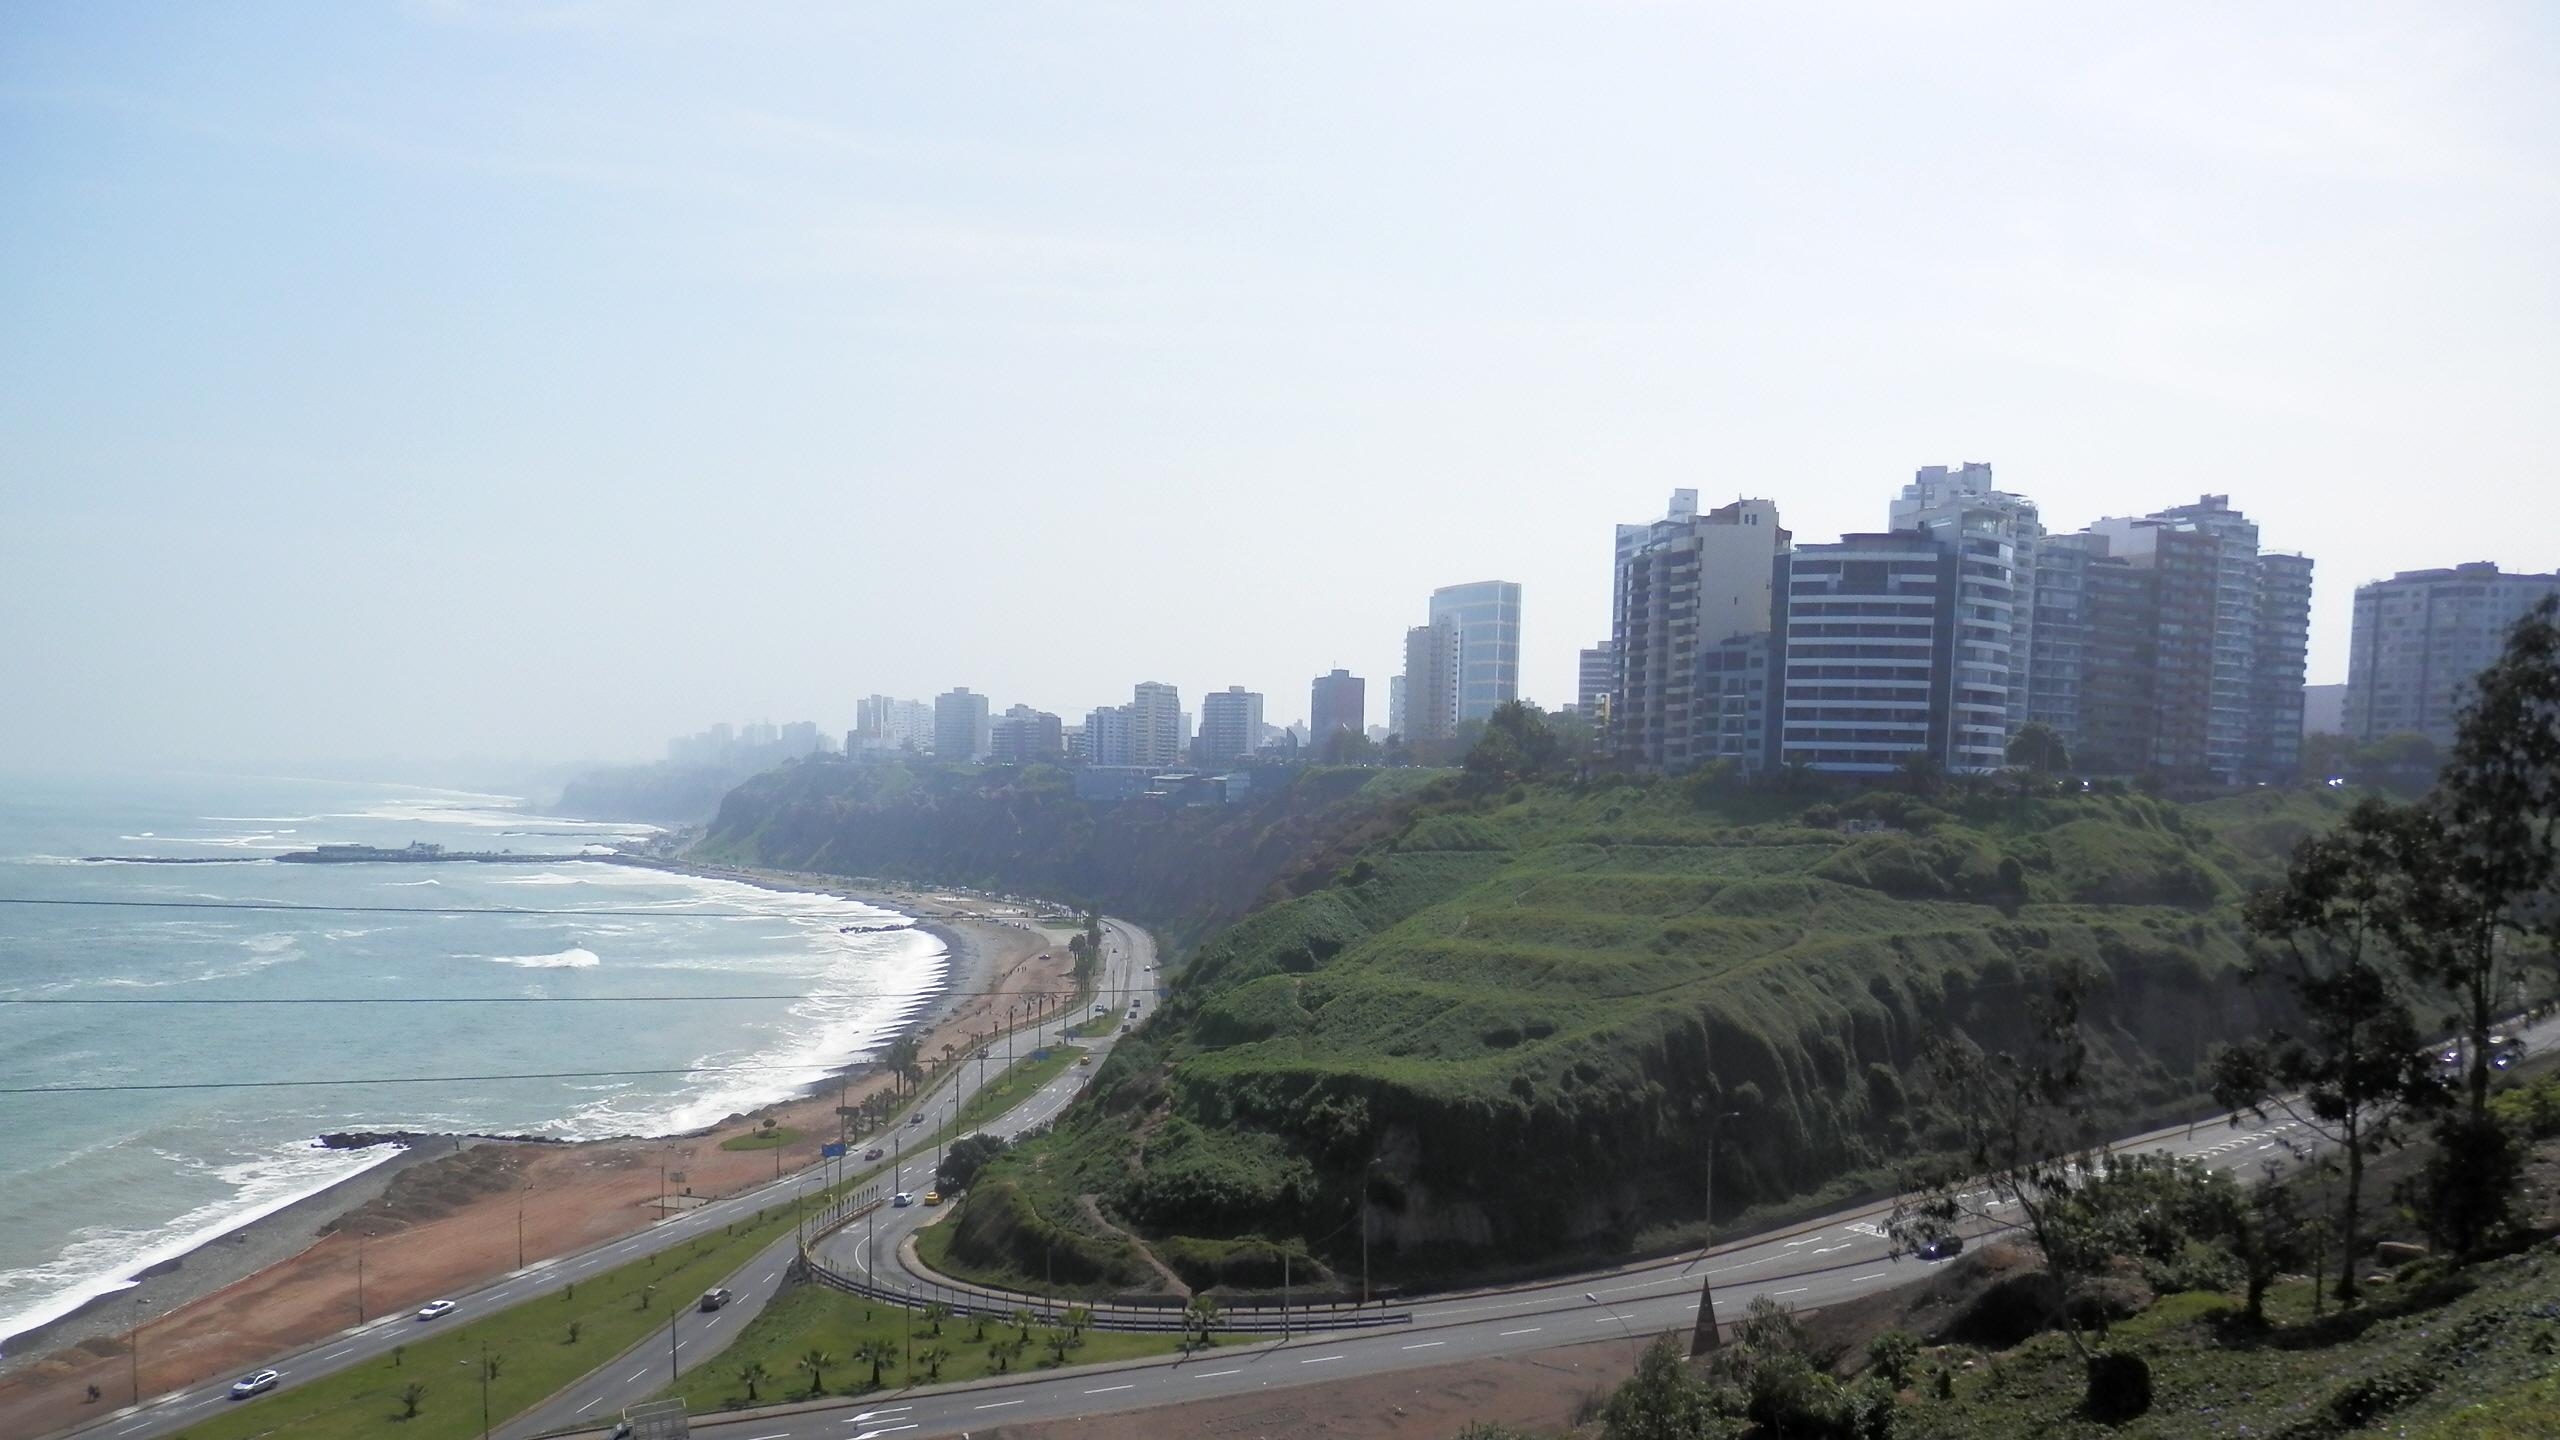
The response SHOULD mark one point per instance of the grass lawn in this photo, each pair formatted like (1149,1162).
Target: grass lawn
(838,1325)
(1013,1087)
(1096,1026)
(763,1139)
(530,1341)
(2469,1358)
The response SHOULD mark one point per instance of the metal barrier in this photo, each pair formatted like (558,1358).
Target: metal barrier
(967,1301)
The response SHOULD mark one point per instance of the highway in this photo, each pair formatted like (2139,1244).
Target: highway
(696,1335)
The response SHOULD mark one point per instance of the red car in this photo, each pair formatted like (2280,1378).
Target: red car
(874,1153)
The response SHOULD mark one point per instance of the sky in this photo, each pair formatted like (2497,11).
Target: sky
(543,380)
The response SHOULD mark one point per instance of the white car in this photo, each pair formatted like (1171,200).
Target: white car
(436,1309)
(257,1384)
(902,1200)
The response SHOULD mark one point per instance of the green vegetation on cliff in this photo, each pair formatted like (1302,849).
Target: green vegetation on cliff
(1520,1020)
(1022,830)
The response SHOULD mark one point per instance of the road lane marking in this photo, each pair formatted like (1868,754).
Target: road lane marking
(1107,1389)
(1320,1359)
(1214,1374)
(636,1374)
(998,1404)
(1796,1291)
(1856,1279)
(590,1405)
(1507,1334)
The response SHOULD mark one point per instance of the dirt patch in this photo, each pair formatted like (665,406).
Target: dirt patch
(1544,1391)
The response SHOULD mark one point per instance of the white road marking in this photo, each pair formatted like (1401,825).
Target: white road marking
(1796,1291)
(1855,1279)
(1214,1374)
(998,1404)
(590,1405)
(636,1374)
(1320,1359)
(1107,1389)
(1507,1334)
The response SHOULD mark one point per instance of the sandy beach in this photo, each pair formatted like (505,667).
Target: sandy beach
(442,1216)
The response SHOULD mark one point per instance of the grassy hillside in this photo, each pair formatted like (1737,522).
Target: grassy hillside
(1183,871)
(1521,1018)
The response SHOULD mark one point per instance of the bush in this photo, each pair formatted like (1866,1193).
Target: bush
(1892,1355)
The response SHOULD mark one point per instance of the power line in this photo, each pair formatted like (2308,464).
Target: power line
(282,905)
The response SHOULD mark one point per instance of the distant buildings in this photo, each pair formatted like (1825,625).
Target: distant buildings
(1395,705)
(1597,679)
(2324,709)
(1024,736)
(882,723)
(960,729)
(1155,725)
(1230,726)
(748,747)
(1684,581)
(1432,659)
(1487,616)
(1339,701)
(2421,637)
(2167,643)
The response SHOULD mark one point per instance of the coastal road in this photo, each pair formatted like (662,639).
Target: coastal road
(1840,1257)
(645,1369)
(697,1335)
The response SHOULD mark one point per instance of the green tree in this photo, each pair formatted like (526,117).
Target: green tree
(412,1395)
(931,1358)
(967,1156)
(1662,1400)
(751,1375)
(1516,746)
(2357,1063)
(902,1056)
(1347,747)
(1199,1322)
(1892,1354)
(2038,748)
(878,1353)
(815,1361)
(934,1315)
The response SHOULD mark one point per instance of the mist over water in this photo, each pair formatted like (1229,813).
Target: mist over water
(99,1185)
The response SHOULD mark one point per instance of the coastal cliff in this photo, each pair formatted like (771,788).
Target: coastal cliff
(1184,871)
(1527,1026)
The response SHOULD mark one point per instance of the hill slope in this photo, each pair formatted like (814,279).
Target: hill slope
(1524,1018)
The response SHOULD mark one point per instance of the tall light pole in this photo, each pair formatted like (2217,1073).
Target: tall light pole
(520,1194)
(1364,1228)
(361,1237)
(1714,1123)
(1595,1299)
(133,1350)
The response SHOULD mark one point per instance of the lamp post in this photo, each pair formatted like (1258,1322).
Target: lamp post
(520,1196)
(1714,1124)
(1595,1299)
(1364,1228)
(133,1349)
(361,1237)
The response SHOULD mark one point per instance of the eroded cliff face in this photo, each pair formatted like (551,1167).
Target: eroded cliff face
(1181,870)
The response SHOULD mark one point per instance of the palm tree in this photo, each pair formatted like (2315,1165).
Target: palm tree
(1199,1318)
(879,1354)
(934,1315)
(1079,1318)
(931,1358)
(751,1375)
(410,1396)
(1022,1322)
(816,1361)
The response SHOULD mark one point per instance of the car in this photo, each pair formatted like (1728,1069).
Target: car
(715,1297)
(1098,1009)
(874,1153)
(255,1384)
(933,1197)
(1941,1247)
(436,1309)
(914,1120)
(1124,1029)
(1084,1060)
(901,1200)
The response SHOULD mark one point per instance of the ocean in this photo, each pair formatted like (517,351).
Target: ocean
(97,1185)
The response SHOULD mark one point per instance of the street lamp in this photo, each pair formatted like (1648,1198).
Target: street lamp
(133,1350)
(361,1237)
(1595,1299)
(520,1194)
(1714,1123)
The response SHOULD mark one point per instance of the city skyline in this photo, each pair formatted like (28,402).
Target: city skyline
(548,381)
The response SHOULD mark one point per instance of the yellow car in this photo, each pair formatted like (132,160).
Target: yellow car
(933,1197)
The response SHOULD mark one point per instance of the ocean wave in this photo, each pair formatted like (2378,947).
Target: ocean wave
(103,1260)
(405,884)
(573,958)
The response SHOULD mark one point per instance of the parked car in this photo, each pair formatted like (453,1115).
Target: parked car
(436,1309)
(901,1200)
(1941,1247)
(715,1297)
(254,1384)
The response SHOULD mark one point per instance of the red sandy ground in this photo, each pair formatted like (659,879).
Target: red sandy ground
(582,1195)
(1538,1392)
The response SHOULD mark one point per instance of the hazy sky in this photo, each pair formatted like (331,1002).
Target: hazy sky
(542,380)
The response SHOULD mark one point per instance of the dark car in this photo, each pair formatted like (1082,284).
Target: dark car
(874,1153)
(1941,1247)
(715,1297)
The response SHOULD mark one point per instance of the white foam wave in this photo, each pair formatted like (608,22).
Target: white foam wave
(405,884)
(102,1260)
(573,958)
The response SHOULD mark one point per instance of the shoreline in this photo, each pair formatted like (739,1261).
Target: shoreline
(441,1222)
(290,1231)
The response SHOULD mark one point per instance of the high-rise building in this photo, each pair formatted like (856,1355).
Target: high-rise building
(1487,616)
(1396,707)
(2058,643)
(1684,582)
(801,737)
(1597,679)
(881,722)
(1024,736)
(1230,726)
(1109,739)
(2231,625)
(1339,701)
(1155,725)
(1728,702)
(1864,663)
(2420,639)
(2002,533)
(960,725)
(1433,655)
